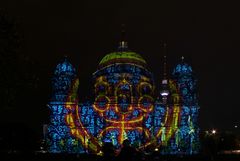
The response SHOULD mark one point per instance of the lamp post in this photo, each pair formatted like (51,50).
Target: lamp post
(214,131)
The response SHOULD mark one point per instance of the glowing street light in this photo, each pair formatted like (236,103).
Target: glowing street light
(214,131)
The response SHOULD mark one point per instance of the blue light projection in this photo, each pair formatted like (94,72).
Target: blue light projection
(124,108)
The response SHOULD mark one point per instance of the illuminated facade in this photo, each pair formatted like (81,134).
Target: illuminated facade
(125,107)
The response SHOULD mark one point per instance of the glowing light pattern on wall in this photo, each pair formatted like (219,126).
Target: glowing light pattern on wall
(124,109)
(64,74)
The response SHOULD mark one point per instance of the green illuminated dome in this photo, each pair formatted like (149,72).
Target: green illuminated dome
(122,56)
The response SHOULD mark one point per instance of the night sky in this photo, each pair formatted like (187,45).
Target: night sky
(206,34)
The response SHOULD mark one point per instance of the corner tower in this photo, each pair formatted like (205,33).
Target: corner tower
(186,81)
(63,100)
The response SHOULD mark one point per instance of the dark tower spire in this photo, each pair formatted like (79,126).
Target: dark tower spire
(165,61)
(182,59)
(123,32)
(123,44)
(164,92)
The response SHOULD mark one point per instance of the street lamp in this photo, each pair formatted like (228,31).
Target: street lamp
(214,131)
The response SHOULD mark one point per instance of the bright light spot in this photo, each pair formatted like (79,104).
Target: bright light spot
(214,131)
(100,153)
(156,149)
(236,126)
(164,93)
(164,81)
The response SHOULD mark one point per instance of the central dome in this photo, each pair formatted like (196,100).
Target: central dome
(122,57)
(123,76)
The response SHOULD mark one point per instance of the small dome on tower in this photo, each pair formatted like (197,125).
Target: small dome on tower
(63,78)
(182,68)
(65,67)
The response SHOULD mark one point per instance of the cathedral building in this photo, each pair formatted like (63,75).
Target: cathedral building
(125,107)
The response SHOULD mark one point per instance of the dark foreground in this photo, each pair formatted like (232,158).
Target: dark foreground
(85,157)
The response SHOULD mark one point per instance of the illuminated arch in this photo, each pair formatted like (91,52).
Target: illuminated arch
(101,81)
(145,84)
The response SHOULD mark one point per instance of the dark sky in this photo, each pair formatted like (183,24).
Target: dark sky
(207,34)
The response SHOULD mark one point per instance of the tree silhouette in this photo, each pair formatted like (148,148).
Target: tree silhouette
(18,77)
(9,44)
